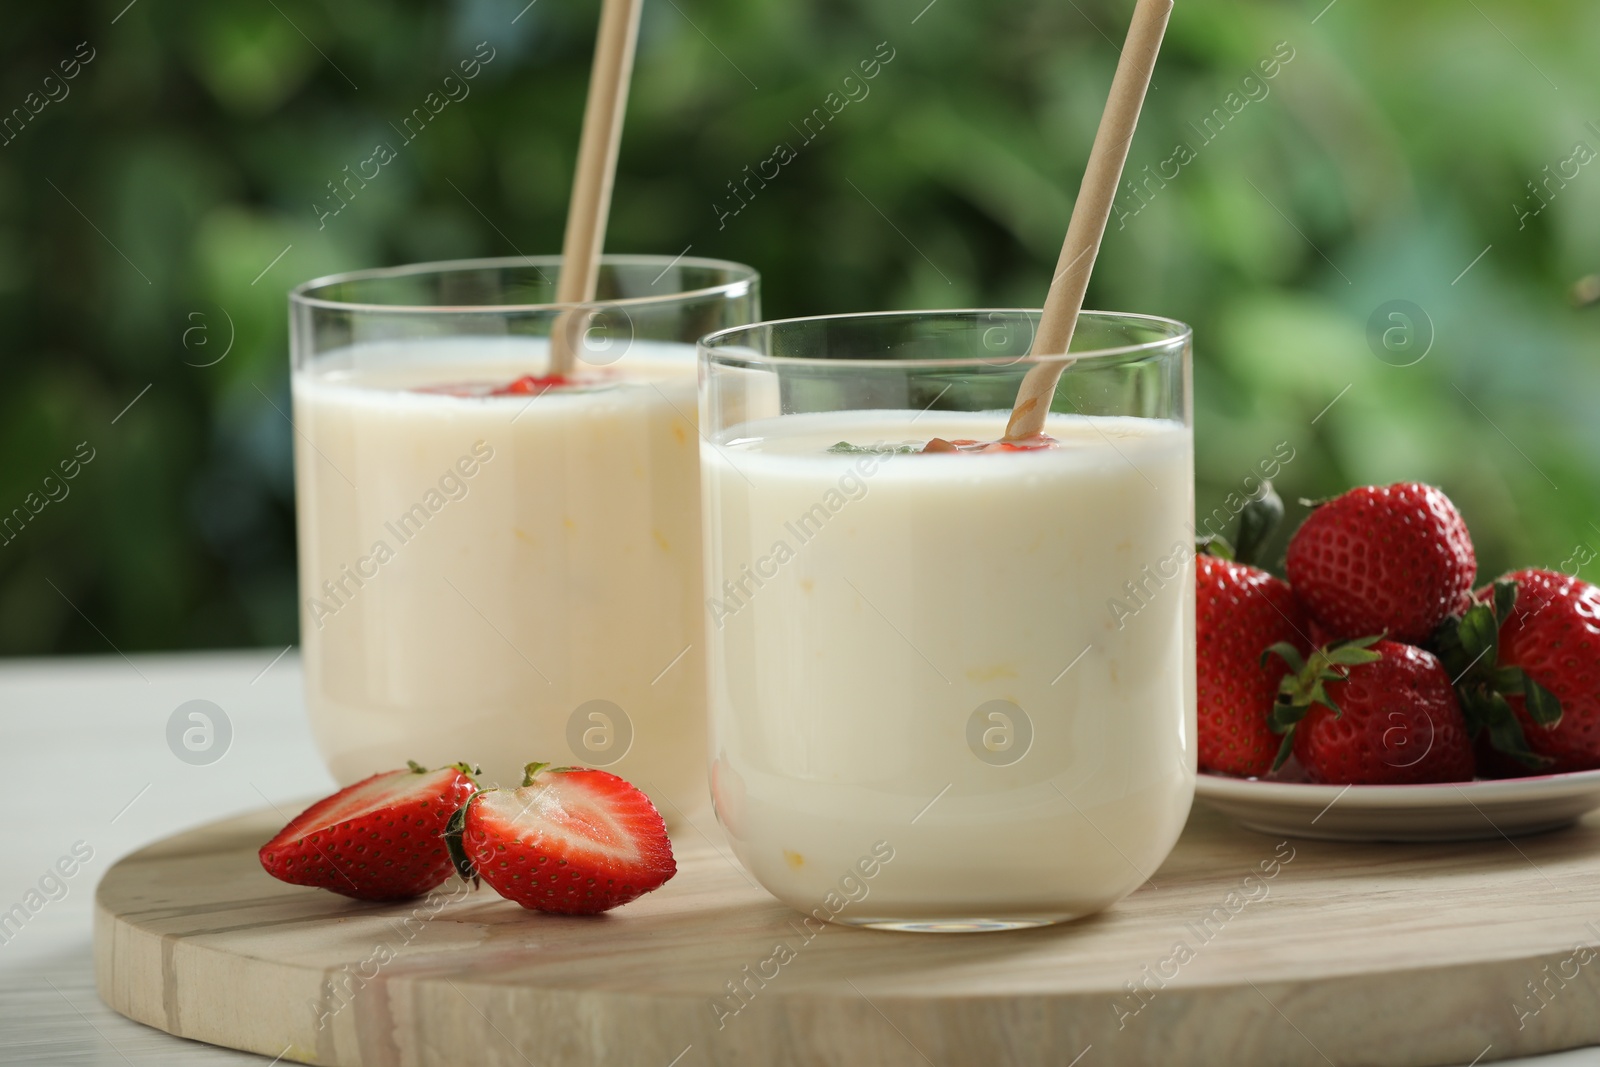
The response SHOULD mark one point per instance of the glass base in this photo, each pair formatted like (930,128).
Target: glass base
(957,926)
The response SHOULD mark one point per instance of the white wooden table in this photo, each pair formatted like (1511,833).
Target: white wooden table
(88,765)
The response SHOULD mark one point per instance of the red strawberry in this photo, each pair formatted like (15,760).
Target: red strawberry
(1373,712)
(1240,610)
(570,840)
(1393,560)
(380,839)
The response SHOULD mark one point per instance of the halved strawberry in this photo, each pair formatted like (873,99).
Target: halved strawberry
(380,839)
(571,841)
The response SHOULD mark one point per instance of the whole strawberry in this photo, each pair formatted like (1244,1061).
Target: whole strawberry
(1240,611)
(1394,560)
(570,841)
(1527,657)
(1554,637)
(1372,712)
(380,839)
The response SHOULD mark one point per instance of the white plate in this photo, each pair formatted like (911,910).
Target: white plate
(1459,811)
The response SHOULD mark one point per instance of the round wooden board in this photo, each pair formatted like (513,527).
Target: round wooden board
(1338,954)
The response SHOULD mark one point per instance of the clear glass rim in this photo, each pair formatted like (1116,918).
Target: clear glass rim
(1176,334)
(744,278)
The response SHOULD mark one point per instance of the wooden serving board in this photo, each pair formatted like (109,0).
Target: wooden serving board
(1241,950)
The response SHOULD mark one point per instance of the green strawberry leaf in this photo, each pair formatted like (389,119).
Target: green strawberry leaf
(1350,656)
(1505,598)
(1542,705)
(1350,652)
(1285,715)
(1491,711)
(1480,635)
(1305,686)
(1504,679)
(453,832)
(1475,711)
(1446,644)
(1358,642)
(1215,545)
(1284,749)
(1469,648)
(1286,652)
(1259,518)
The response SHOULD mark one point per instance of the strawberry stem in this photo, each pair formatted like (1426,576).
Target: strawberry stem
(1469,648)
(453,833)
(1304,687)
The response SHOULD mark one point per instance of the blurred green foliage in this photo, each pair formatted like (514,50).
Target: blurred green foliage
(162,204)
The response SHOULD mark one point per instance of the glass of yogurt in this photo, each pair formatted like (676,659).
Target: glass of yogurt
(498,565)
(952,682)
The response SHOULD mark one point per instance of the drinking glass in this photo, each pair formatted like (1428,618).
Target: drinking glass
(494,566)
(949,691)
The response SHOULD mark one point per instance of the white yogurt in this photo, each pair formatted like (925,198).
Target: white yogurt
(864,608)
(473,569)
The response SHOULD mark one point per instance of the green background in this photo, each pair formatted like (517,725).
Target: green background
(140,217)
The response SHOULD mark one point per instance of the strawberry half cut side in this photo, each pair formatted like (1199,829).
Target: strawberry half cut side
(570,840)
(379,839)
